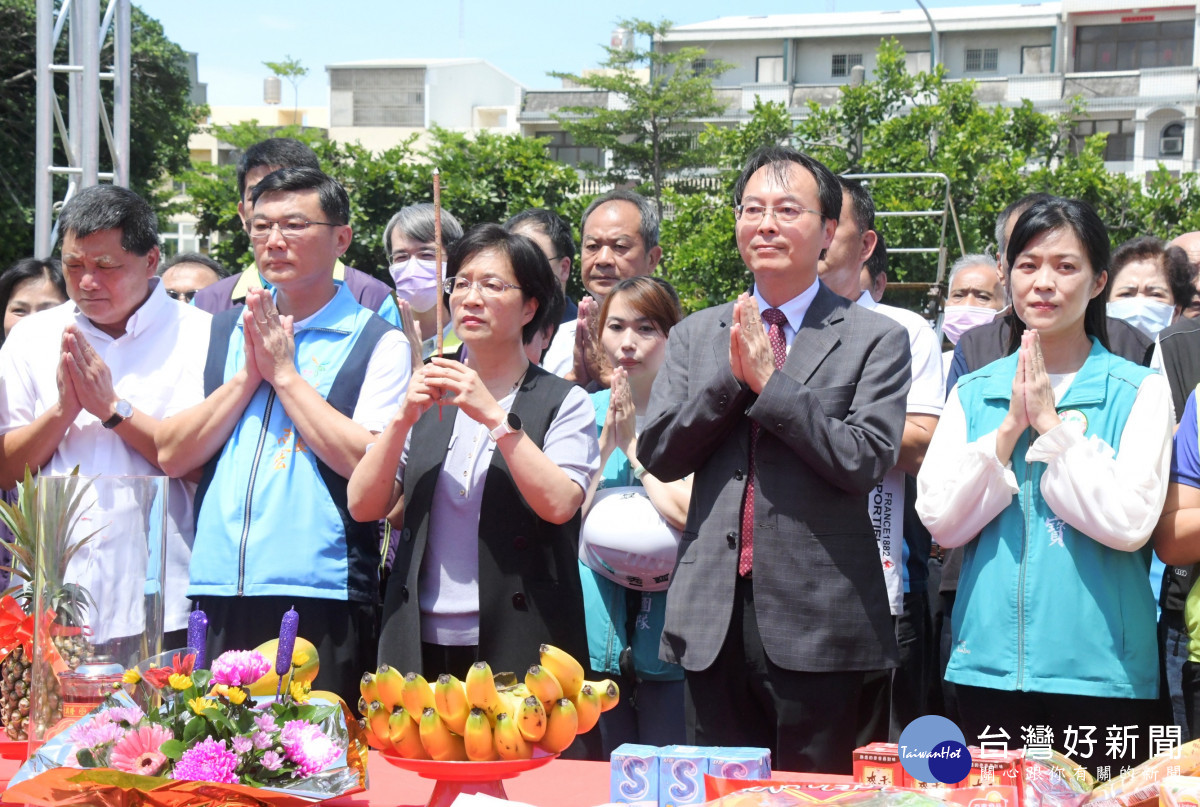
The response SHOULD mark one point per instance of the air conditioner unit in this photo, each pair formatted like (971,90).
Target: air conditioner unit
(1170,145)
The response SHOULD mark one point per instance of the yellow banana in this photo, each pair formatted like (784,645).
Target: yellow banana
(405,736)
(507,737)
(610,693)
(378,743)
(363,703)
(564,667)
(587,705)
(481,687)
(450,700)
(561,723)
(390,686)
(377,721)
(416,694)
(442,744)
(477,737)
(531,719)
(543,685)
(368,688)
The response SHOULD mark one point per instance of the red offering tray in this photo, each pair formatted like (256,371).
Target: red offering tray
(466,777)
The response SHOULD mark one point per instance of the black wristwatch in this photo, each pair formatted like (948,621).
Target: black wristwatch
(123,411)
(510,425)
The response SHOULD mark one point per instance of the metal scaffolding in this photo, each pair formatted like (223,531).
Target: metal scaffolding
(87,115)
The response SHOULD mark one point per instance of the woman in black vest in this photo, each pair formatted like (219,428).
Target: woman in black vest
(493,456)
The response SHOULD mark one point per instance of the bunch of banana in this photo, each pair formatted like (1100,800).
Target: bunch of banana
(485,717)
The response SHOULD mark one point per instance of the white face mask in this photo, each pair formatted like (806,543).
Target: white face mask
(1148,316)
(958,319)
(416,281)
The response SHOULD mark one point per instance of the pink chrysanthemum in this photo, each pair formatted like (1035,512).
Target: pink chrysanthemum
(262,741)
(266,722)
(238,668)
(272,761)
(124,714)
(138,751)
(305,745)
(96,733)
(207,761)
(241,745)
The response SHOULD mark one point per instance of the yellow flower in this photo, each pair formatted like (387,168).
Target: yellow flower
(131,676)
(180,682)
(198,705)
(299,658)
(300,690)
(236,695)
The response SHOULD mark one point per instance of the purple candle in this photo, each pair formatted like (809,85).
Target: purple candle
(287,641)
(197,637)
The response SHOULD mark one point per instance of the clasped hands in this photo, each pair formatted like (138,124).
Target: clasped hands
(445,381)
(590,363)
(620,422)
(750,354)
(270,344)
(1032,402)
(84,380)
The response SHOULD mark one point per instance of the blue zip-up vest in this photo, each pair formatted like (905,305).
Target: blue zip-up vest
(1042,607)
(271,517)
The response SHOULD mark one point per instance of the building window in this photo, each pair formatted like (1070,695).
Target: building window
(563,148)
(769,69)
(701,65)
(981,60)
(1133,46)
(1118,147)
(917,61)
(842,62)
(377,97)
(1035,60)
(1170,144)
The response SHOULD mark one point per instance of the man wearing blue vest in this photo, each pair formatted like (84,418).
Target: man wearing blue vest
(297,382)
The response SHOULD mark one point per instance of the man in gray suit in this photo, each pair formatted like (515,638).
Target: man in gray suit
(778,608)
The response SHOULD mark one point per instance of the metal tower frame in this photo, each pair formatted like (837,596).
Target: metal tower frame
(87,116)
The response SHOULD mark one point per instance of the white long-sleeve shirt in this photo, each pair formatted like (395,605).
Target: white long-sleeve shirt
(1113,497)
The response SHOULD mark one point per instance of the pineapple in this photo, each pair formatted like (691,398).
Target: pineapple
(68,601)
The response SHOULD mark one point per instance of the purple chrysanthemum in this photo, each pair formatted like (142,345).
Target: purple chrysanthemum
(307,746)
(272,761)
(124,714)
(96,733)
(207,761)
(238,668)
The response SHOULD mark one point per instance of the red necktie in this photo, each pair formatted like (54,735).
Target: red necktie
(776,320)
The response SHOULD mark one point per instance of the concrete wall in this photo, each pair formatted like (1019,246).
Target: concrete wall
(453,91)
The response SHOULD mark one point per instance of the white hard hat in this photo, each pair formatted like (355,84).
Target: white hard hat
(625,539)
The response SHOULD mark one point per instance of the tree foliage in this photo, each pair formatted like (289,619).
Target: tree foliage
(484,177)
(293,71)
(162,117)
(649,129)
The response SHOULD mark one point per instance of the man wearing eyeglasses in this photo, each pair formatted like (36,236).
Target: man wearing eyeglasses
(188,273)
(788,407)
(298,382)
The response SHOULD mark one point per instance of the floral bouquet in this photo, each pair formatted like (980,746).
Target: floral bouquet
(286,750)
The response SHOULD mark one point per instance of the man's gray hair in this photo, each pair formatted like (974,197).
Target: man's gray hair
(416,222)
(975,259)
(648,229)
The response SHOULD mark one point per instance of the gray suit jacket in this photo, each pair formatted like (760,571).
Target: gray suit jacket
(831,423)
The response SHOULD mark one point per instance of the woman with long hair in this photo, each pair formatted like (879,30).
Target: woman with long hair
(1050,466)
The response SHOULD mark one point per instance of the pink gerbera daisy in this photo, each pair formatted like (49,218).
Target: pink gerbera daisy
(138,751)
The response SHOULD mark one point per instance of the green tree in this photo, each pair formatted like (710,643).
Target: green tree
(649,130)
(162,117)
(484,177)
(293,71)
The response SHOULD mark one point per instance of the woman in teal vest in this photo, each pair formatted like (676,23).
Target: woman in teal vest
(631,525)
(1050,466)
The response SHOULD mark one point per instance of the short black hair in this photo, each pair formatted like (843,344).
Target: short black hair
(1020,206)
(863,206)
(529,264)
(1174,261)
(779,159)
(648,218)
(335,204)
(549,224)
(1077,216)
(194,257)
(111,207)
(30,269)
(274,153)
(877,263)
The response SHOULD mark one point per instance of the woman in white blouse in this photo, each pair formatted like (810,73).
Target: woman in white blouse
(1050,466)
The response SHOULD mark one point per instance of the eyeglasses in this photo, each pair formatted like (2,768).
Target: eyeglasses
(752,214)
(260,229)
(182,296)
(488,287)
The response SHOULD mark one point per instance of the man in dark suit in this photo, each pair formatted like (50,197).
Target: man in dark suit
(778,608)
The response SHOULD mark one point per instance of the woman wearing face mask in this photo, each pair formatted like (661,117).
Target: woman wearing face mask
(408,243)
(1051,466)
(631,526)
(1149,284)
(974,298)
